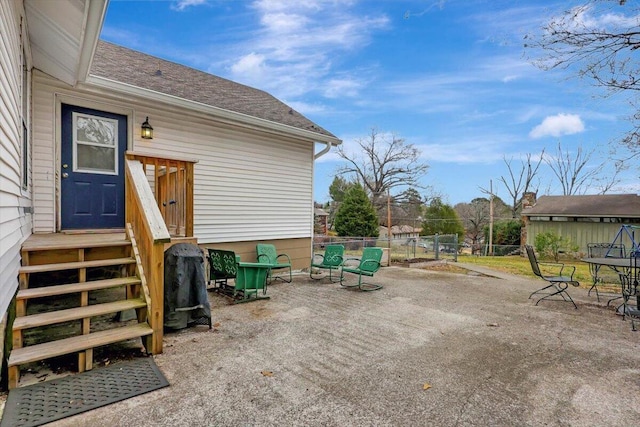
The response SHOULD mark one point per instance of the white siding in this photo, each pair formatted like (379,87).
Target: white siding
(44,159)
(249,184)
(580,233)
(15,223)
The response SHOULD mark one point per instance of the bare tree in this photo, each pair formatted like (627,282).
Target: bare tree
(381,163)
(576,175)
(598,39)
(475,217)
(520,182)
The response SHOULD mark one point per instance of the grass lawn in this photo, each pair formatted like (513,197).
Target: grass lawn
(520,266)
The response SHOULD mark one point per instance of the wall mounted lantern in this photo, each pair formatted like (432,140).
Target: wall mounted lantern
(146,131)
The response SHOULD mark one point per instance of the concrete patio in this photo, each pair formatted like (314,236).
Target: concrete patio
(318,355)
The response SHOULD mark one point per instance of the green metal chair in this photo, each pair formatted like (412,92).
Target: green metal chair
(330,260)
(249,278)
(367,266)
(268,254)
(222,267)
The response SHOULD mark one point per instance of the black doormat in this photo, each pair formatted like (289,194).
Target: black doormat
(53,400)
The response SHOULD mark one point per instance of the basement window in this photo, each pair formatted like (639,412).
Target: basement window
(588,219)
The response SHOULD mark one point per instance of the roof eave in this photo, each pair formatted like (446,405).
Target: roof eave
(63,36)
(94,19)
(580,215)
(250,121)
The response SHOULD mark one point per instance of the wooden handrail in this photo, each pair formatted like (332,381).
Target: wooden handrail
(172,182)
(151,234)
(144,199)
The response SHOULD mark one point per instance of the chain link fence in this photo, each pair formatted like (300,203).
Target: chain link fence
(502,250)
(436,247)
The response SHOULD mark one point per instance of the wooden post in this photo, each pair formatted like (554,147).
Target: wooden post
(188,226)
(491,217)
(156,317)
(389,227)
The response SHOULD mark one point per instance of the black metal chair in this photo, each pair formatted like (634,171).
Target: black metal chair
(558,284)
(629,281)
(602,274)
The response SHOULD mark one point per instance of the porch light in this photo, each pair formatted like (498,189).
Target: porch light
(146,131)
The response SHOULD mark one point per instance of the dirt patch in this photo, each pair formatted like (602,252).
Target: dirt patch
(446,267)
(411,262)
(432,265)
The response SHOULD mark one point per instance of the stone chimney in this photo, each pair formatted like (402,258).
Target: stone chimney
(528,200)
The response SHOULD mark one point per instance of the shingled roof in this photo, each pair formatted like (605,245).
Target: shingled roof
(134,68)
(607,205)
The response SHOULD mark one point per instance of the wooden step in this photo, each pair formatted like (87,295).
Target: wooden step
(61,241)
(93,285)
(51,349)
(67,315)
(75,265)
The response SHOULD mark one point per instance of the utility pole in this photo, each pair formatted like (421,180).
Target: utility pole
(491,217)
(389,226)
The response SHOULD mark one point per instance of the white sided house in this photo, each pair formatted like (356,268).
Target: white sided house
(227,166)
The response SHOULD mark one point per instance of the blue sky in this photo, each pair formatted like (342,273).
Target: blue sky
(450,76)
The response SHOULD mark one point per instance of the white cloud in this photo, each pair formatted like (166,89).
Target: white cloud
(470,151)
(251,64)
(280,22)
(336,88)
(181,5)
(295,48)
(588,17)
(558,125)
(306,108)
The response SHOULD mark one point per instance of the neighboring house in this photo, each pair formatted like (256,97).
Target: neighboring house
(583,219)
(400,232)
(320,217)
(228,165)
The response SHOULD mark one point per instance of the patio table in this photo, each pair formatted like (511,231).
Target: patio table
(629,265)
(252,276)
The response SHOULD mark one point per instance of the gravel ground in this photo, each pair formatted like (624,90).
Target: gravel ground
(430,348)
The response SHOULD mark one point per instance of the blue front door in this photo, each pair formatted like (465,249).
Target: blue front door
(92,168)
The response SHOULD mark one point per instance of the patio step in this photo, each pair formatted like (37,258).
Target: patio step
(93,260)
(93,285)
(64,346)
(44,268)
(67,315)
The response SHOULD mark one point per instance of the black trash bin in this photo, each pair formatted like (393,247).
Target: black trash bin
(185,288)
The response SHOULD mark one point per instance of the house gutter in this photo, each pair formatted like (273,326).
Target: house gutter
(255,122)
(94,14)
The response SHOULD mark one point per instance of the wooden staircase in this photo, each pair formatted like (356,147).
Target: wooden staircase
(60,272)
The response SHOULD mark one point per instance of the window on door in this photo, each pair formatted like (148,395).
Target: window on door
(95,143)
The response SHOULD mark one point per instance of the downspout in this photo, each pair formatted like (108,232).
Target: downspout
(324,151)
